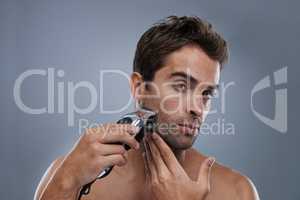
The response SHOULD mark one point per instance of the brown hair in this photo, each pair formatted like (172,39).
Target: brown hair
(171,34)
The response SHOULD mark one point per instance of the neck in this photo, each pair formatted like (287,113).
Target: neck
(180,155)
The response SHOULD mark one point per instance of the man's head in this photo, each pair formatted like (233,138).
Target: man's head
(176,70)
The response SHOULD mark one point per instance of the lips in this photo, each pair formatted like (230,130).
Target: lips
(188,129)
(191,125)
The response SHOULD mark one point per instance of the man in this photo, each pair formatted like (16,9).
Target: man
(176,71)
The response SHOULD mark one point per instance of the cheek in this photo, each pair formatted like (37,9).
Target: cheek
(172,103)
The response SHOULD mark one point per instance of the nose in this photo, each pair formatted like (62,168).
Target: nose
(195,107)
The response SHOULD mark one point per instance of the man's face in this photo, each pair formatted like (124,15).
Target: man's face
(180,93)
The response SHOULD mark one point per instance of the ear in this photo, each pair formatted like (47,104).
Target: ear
(136,83)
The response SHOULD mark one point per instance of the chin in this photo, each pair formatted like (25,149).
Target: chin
(179,142)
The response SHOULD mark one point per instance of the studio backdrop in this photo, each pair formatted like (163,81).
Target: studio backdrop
(65,64)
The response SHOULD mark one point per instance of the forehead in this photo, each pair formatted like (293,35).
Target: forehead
(193,61)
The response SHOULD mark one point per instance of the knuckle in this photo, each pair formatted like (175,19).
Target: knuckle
(113,126)
(122,150)
(131,129)
(93,130)
(155,183)
(127,128)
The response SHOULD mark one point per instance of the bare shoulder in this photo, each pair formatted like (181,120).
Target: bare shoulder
(225,180)
(47,176)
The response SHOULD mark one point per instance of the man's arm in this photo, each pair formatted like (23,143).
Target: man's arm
(56,184)
(245,189)
(96,149)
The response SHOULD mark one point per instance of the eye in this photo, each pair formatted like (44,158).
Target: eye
(208,94)
(180,87)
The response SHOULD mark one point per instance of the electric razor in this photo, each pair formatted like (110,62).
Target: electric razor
(144,119)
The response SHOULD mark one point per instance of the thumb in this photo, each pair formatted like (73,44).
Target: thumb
(204,172)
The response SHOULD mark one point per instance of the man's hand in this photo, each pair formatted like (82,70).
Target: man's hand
(97,149)
(165,177)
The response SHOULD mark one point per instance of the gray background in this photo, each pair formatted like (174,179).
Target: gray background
(83,37)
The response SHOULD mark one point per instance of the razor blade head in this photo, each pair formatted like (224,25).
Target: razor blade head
(144,119)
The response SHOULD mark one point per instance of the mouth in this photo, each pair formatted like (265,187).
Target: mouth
(189,129)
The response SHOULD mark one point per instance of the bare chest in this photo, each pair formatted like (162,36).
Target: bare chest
(133,191)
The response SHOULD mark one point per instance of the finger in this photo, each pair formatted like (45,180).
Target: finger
(120,136)
(147,171)
(166,153)
(115,159)
(110,149)
(151,167)
(131,129)
(158,162)
(105,128)
(205,171)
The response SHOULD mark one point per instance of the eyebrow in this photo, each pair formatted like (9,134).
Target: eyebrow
(193,80)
